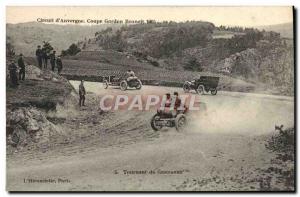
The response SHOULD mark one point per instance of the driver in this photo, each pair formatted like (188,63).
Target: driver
(167,104)
(130,75)
(177,104)
(177,101)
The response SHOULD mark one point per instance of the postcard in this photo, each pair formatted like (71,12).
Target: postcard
(150,99)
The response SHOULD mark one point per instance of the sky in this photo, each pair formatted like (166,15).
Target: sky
(230,16)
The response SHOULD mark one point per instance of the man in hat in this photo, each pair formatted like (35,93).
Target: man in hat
(21,65)
(59,64)
(81,94)
(39,56)
(13,69)
(52,60)
(45,57)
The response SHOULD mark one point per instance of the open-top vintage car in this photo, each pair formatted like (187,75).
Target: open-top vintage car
(122,82)
(162,119)
(202,85)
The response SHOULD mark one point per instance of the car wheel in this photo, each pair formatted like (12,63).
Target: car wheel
(154,126)
(200,89)
(180,122)
(213,91)
(139,86)
(186,88)
(123,85)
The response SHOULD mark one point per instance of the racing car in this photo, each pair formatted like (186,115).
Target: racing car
(162,119)
(122,82)
(202,85)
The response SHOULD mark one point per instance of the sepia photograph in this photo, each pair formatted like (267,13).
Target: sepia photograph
(150,99)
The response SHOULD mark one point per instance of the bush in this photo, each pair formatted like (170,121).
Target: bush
(282,142)
(47,47)
(72,50)
(193,65)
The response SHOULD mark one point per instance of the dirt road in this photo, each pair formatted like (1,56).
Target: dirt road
(223,150)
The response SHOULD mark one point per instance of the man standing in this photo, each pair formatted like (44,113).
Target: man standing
(13,73)
(21,65)
(59,64)
(52,60)
(81,94)
(45,58)
(39,56)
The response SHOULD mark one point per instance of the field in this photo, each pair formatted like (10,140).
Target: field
(225,34)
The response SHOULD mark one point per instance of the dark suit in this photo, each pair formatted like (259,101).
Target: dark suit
(21,65)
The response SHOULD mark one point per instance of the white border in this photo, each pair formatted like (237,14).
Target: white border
(4,3)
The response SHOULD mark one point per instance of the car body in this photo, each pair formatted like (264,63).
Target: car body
(122,82)
(202,85)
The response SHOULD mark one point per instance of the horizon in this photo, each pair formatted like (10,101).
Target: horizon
(90,25)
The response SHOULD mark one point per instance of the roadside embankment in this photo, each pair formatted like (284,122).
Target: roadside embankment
(28,105)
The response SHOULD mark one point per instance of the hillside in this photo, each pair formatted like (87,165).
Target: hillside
(285,29)
(26,36)
(251,55)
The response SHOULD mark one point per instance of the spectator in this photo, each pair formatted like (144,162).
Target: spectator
(81,94)
(45,58)
(59,64)
(21,65)
(13,69)
(52,60)
(39,56)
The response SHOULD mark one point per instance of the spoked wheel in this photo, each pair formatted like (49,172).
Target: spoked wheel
(123,85)
(139,86)
(213,91)
(154,126)
(200,89)
(186,88)
(180,122)
(105,84)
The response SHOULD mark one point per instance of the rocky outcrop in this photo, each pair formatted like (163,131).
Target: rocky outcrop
(29,125)
(28,105)
(32,72)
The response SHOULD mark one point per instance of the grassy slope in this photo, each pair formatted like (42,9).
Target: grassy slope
(82,67)
(52,89)
(285,29)
(26,36)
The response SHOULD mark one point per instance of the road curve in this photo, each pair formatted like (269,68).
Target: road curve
(222,150)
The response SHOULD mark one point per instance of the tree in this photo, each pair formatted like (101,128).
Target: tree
(72,50)
(47,46)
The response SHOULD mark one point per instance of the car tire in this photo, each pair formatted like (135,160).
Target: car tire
(213,91)
(200,89)
(186,88)
(180,122)
(123,85)
(139,86)
(153,125)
